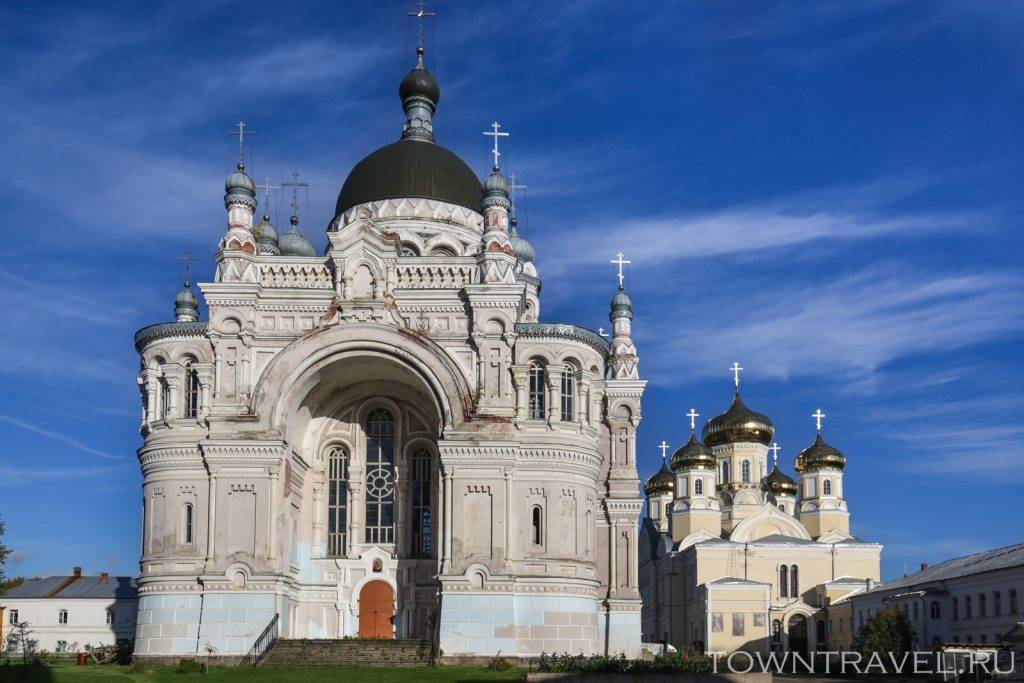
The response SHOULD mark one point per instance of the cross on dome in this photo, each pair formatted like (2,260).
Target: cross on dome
(620,261)
(495,134)
(664,447)
(241,133)
(512,187)
(693,415)
(601,332)
(187,259)
(818,417)
(775,448)
(736,368)
(295,185)
(419,14)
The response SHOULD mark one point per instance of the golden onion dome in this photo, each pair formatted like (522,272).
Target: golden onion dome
(693,455)
(662,482)
(739,424)
(819,455)
(777,482)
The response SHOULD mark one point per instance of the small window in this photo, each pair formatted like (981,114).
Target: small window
(745,471)
(62,616)
(698,487)
(12,617)
(1013,601)
(826,487)
(538,393)
(794,582)
(967,607)
(783,581)
(982,607)
(188,522)
(110,616)
(956,608)
(997,603)
(538,525)
(936,610)
(725,471)
(916,614)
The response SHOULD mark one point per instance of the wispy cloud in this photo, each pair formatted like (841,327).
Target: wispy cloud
(60,437)
(14,476)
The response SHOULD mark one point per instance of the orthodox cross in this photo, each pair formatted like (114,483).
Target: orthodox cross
(664,447)
(620,261)
(601,332)
(267,187)
(295,185)
(775,448)
(241,133)
(419,14)
(512,187)
(187,259)
(693,415)
(495,134)
(818,415)
(736,374)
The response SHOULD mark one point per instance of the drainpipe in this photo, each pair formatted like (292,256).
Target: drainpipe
(202,600)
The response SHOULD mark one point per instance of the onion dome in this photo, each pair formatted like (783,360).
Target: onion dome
(622,305)
(496,191)
(186,305)
(819,455)
(661,482)
(292,243)
(266,237)
(415,166)
(239,188)
(738,424)
(779,483)
(693,455)
(520,247)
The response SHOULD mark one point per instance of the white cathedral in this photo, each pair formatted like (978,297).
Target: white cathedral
(383,440)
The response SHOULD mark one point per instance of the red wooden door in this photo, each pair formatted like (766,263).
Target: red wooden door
(375,603)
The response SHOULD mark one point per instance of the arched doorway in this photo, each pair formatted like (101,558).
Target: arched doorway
(798,633)
(376,602)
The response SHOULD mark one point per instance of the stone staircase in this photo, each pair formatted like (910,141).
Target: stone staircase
(404,652)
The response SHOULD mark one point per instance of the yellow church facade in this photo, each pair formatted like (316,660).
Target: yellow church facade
(736,556)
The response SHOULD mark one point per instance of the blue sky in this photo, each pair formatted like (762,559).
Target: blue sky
(827,192)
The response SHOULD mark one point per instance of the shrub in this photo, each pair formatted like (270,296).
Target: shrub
(189,666)
(887,632)
(499,663)
(675,662)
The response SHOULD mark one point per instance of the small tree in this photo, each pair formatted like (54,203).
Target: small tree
(19,639)
(887,633)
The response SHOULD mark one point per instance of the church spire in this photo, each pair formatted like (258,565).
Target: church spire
(420,93)
(622,364)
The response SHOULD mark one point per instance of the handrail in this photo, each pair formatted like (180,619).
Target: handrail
(262,644)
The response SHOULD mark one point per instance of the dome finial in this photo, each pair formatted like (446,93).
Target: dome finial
(775,448)
(818,417)
(493,133)
(693,415)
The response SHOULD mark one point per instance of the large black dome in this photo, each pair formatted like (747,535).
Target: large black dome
(411,168)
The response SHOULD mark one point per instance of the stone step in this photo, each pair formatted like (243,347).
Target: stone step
(405,652)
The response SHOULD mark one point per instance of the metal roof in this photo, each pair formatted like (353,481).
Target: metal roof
(990,560)
(65,587)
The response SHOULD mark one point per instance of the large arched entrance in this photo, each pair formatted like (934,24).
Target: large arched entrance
(798,633)
(376,610)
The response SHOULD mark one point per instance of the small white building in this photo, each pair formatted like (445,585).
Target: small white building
(66,613)
(976,599)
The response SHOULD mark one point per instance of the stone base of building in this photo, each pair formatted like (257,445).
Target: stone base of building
(210,624)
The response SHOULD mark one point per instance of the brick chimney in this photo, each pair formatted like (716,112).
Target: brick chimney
(77,571)
(104,577)
(924,565)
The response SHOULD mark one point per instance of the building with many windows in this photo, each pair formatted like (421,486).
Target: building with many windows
(735,555)
(66,613)
(975,599)
(383,440)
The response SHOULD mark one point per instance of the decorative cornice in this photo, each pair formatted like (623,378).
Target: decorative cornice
(152,333)
(557,331)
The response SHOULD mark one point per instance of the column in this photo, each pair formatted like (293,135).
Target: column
(319,542)
(582,383)
(211,513)
(521,377)
(508,513)
(554,377)
(272,503)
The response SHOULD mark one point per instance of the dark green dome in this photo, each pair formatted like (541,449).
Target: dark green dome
(693,455)
(739,424)
(819,455)
(411,168)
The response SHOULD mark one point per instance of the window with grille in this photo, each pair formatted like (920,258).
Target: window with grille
(538,392)
(421,519)
(568,394)
(380,477)
(62,616)
(337,501)
(725,471)
(826,487)
(698,487)
(745,471)
(191,391)
(12,617)
(794,581)
(110,616)
(783,581)
(997,603)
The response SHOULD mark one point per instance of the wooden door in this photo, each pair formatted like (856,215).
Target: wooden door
(375,610)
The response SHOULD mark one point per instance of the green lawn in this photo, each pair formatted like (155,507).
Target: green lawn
(63,673)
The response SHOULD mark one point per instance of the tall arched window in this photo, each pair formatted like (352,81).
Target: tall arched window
(165,399)
(380,477)
(421,521)
(538,392)
(568,393)
(191,390)
(337,501)
(783,581)
(538,525)
(826,487)
(725,471)
(745,471)
(794,581)
(698,487)
(187,523)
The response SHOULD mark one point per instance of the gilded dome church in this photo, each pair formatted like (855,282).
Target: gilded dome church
(382,440)
(737,556)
